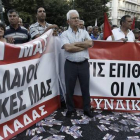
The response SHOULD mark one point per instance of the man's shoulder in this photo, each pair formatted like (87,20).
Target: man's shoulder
(116,31)
(7,28)
(48,24)
(82,31)
(22,27)
(34,25)
(64,33)
(130,31)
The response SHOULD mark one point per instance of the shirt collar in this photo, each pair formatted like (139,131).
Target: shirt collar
(122,31)
(41,25)
(94,36)
(71,30)
(14,28)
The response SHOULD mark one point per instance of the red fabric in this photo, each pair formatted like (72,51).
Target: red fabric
(50,106)
(107,28)
(133,24)
(106,50)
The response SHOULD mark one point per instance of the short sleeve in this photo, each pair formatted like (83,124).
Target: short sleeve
(87,36)
(109,38)
(33,31)
(64,38)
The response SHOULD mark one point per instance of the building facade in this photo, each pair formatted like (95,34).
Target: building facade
(119,8)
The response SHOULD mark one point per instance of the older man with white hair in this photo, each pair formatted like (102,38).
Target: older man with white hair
(76,43)
(81,24)
(20,23)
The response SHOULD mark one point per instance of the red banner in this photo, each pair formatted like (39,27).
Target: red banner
(114,77)
(29,89)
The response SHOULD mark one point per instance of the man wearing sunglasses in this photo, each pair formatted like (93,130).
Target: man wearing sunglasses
(41,26)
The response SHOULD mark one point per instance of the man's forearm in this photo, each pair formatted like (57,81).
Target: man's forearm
(86,44)
(72,48)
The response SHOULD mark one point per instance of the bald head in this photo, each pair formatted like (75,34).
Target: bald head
(20,23)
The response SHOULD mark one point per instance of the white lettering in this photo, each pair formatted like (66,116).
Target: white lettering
(98,103)
(127,104)
(1,138)
(134,106)
(44,39)
(120,102)
(26,51)
(38,47)
(26,120)
(17,125)
(35,115)
(42,110)
(2,50)
(7,129)
(109,104)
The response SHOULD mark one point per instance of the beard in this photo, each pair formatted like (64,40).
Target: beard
(41,19)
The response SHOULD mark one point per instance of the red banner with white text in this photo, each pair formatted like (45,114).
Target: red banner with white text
(114,76)
(29,89)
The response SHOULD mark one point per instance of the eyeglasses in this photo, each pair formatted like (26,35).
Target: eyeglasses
(74,18)
(42,11)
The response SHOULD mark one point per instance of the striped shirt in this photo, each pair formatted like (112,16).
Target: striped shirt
(20,34)
(69,37)
(36,29)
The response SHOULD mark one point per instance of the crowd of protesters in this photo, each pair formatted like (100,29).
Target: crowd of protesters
(75,41)
(17,32)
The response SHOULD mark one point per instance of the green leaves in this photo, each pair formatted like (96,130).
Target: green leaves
(90,10)
(56,10)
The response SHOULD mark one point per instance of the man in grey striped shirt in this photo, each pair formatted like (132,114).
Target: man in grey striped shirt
(41,26)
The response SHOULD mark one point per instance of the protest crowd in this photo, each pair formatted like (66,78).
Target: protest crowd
(16,29)
(76,39)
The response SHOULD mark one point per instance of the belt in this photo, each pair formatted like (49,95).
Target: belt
(77,62)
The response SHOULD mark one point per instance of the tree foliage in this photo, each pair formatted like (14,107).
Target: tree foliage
(56,10)
(90,10)
(26,8)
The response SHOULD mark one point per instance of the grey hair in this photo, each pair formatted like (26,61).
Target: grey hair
(70,12)
(11,11)
(82,21)
(21,19)
(89,27)
(95,27)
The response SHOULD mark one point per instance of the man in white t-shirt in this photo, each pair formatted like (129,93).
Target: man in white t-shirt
(123,33)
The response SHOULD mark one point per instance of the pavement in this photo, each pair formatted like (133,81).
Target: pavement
(105,125)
